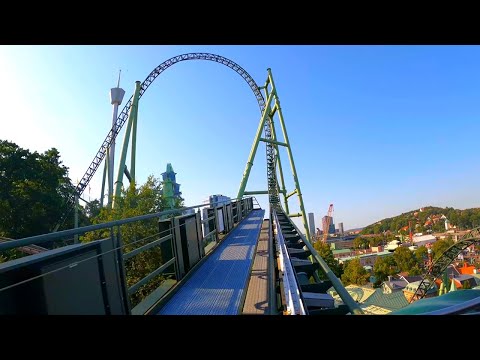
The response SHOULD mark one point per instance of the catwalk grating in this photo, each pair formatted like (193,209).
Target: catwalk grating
(218,286)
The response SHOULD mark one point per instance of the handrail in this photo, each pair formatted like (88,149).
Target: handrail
(338,286)
(272,294)
(293,295)
(38,239)
(146,247)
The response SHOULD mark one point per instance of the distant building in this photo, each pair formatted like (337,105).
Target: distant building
(373,301)
(379,303)
(311,224)
(218,200)
(398,283)
(338,253)
(463,281)
(423,240)
(410,289)
(365,259)
(392,245)
(170,187)
(447,224)
(331,228)
(340,228)
(341,244)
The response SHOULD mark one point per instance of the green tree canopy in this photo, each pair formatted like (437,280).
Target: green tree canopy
(421,255)
(134,202)
(440,246)
(404,258)
(354,273)
(326,253)
(361,242)
(376,240)
(34,189)
(462,219)
(384,266)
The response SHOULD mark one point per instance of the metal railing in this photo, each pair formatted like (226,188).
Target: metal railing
(129,250)
(271,274)
(293,297)
(337,285)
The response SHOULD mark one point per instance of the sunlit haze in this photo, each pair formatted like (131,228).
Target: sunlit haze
(375,130)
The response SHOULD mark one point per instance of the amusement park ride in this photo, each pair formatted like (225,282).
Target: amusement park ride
(292,265)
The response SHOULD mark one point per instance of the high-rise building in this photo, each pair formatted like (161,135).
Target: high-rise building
(331,228)
(311,225)
(340,228)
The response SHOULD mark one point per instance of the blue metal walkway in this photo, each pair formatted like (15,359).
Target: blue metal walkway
(218,286)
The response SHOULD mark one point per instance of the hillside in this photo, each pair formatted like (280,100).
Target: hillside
(427,218)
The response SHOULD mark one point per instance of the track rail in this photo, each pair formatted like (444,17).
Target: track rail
(473,237)
(123,116)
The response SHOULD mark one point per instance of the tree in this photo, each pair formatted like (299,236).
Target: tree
(419,229)
(360,242)
(34,189)
(384,267)
(404,258)
(416,270)
(421,255)
(134,202)
(327,255)
(355,273)
(376,240)
(92,208)
(440,246)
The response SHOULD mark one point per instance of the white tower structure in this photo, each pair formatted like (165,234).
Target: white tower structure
(116,97)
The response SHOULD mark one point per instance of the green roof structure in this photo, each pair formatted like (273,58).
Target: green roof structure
(393,301)
(428,305)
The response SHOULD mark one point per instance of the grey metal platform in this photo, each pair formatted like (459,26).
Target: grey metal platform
(256,300)
(219,285)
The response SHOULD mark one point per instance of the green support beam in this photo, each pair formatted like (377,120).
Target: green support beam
(133,153)
(282,189)
(295,215)
(273,142)
(292,193)
(102,194)
(123,157)
(272,113)
(268,115)
(290,156)
(253,151)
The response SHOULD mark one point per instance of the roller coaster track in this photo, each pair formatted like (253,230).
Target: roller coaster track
(123,116)
(473,237)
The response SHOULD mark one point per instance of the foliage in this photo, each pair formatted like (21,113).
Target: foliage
(416,270)
(361,242)
(462,219)
(92,209)
(404,258)
(440,246)
(33,191)
(377,240)
(327,255)
(421,255)
(384,267)
(354,273)
(134,202)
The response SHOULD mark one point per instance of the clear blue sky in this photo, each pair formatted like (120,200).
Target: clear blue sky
(375,130)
